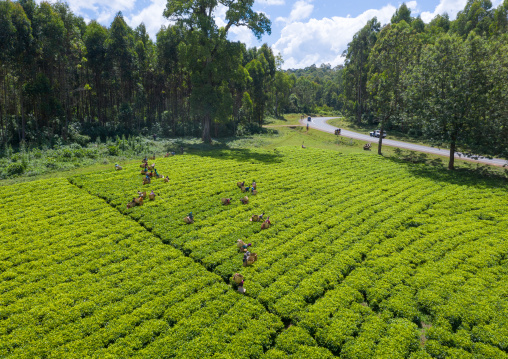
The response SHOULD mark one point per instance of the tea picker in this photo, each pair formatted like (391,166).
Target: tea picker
(249,258)
(242,247)
(226,201)
(189,219)
(257,217)
(266,223)
(238,278)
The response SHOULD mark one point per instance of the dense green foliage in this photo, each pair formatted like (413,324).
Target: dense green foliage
(62,78)
(33,162)
(444,81)
(369,257)
(315,89)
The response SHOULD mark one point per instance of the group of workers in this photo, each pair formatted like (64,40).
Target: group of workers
(138,201)
(248,257)
(153,172)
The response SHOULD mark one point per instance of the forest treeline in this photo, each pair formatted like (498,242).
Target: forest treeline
(446,81)
(63,78)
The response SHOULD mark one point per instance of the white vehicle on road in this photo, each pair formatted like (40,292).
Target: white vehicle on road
(376,133)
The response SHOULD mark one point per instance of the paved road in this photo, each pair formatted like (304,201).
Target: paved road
(320,123)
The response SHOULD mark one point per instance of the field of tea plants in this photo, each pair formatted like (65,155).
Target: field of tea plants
(78,279)
(365,258)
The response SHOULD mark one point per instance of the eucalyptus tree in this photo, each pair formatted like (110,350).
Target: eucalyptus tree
(389,59)
(211,58)
(403,13)
(17,52)
(95,38)
(451,82)
(122,57)
(477,15)
(500,19)
(282,90)
(256,69)
(357,67)
(496,129)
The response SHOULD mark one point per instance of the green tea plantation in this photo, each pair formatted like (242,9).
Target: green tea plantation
(365,257)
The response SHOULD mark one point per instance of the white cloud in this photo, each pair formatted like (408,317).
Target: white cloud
(451,7)
(271,2)
(105,16)
(98,6)
(151,16)
(413,6)
(323,41)
(236,33)
(301,11)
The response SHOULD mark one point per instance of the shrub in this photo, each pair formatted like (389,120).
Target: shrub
(113,150)
(15,169)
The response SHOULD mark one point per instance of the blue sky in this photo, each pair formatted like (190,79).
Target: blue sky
(304,32)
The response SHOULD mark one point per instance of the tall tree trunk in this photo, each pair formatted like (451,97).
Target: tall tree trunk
(1,126)
(4,107)
(67,113)
(380,143)
(451,162)
(23,125)
(206,129)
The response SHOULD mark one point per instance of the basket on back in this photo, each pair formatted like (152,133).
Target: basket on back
(226,201)
(166,179)
(151,196)
(251,259)
(244,200)
(142,194)
(240,184)
(242,246)
(238,278)
(265,225)
(188,220)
